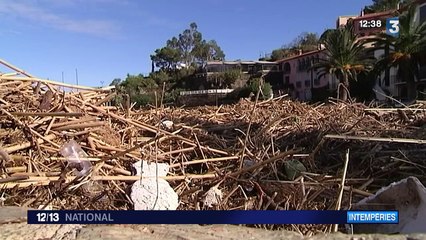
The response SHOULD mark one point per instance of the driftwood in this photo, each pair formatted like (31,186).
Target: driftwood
(241,148)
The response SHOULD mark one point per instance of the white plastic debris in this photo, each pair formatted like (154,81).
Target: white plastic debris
(408,196)
(167,124)
(2,199)
(213,197)
(73,153)
(145,194)
(43,207)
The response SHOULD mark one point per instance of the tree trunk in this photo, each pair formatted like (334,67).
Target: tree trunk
(344,88)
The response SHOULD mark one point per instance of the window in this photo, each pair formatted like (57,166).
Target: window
(244,68)
(287,80)
(307,83)
(298,84)
(422,11)
(287,68)
(317,82)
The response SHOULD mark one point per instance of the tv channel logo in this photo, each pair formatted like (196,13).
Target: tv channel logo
(392,26)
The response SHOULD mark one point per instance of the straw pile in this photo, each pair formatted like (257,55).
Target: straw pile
(240,149)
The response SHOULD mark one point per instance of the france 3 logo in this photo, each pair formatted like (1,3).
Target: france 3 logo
(392,26)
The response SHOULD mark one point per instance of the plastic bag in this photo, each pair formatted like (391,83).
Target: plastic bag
(73,153)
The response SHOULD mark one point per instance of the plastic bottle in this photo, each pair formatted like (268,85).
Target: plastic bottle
(73,153)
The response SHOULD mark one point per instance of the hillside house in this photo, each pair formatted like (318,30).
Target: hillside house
(389,80)
(300,80)
(246,68)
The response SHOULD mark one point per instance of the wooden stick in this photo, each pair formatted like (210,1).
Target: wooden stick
(377,139)
(106,99)
(247,134)
(65,123)
(5,181)
(31,130)
(117,169)
(16,169)
(33,79)
(148,127)
(43,181)
(190,149)
(342,186)
(80,126)
(204,161)
(4,102)
(25,145)
(15,68)
(10,82)
(50,126)
(44,114)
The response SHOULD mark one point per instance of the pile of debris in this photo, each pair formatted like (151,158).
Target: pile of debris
(275,154)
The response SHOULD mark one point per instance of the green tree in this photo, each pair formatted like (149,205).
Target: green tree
(166,58)
(231,76)
(188,48)
(305,41)
(138,88)
(345,58)
(406,52)
(115,82)
(160,77)
(207,51)
(187,41)
(266,88)
(385,5)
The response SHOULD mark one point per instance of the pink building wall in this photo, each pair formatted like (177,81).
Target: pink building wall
(296,72)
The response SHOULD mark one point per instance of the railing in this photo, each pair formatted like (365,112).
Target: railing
(204,92)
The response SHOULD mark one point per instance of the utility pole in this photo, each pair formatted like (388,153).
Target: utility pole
(312,79)
(76,76)
(63,81)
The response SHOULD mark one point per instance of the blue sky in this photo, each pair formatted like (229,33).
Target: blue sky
(106,39)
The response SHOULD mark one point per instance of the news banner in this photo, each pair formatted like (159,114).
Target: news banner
(211,217)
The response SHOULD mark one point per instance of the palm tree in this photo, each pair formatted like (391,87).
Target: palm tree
(406,51)
(345,58)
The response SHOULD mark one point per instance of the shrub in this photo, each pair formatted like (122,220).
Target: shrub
(230,76)
(160,77)
(143,99)
(266,88)
(172,95)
